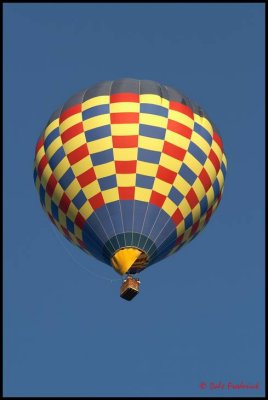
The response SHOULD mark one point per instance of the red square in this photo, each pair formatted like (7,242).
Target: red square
(81,243)
(78,154)
(39,144)
(126,193)
(179,128)
(96,201)
(122,97)
(209,213)
(177,217)
(214,159)
(42,165)
(174,105)
(64,203)
(70,111)
(124,118)
(179,239)
(51,184)
(194,228)
(87,177)
(79,220)
(192,198)
(72,132)
(157,199)
(205,179)
(166,174)
(125,167)
(174,151)
(125,141)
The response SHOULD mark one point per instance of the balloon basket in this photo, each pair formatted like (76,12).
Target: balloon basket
(130,288)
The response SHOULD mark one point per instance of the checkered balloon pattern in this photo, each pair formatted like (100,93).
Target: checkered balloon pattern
(129,163)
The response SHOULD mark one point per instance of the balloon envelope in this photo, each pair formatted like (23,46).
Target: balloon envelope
(129,171)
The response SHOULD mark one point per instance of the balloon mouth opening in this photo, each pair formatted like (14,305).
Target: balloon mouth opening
(129,260)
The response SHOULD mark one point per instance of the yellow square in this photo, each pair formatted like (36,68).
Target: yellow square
(53,125)
(82,166)
(177,140)
(181,185)
(161,187)
(181,118)
(150,99)
(110,195)
(184,208)
(57,194)
(73,189)
(169,207)
(200,142)
(150,143)
(210,196)
(147,169)
(53,147)
(210,169)
(125,154)
(198,119)
(45,175)
(169,162)
(142,194)
(193,163)
(71,121)
(74,143)
(39,155)
(100,145)
(37,184)
(180,229)
(62,218)
(92,189)
(104,170)
(207,125)
(96,122)
(124,129)
(187,234)
(72,212)
(125,106)
(95,101)
(153,120)
(220,179)
(125,180)
(48,203)
(61,168)
(86,210)
(199,189)
(196,213)
(224,160)
(216,148)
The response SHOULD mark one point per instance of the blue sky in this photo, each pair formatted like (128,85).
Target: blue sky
(200,314)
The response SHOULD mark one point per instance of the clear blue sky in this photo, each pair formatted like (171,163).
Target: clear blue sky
(200,314)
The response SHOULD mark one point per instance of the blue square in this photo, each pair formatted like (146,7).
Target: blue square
(98,133)
(149,156)
(216,188)
(51,137)
(102,157)
(153,109)
(35,175)
(188,221)
(66,179)
(70,225)
(197,153)
(203,132)
(204,205)
(223,169)
(95,111)
(79,200)
(175,196)
(56,158)
(152,131)
(187,174)
(42,193)
(107,182)
(144,181)
(55,211)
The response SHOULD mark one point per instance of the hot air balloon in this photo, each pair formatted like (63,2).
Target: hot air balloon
(129,171)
